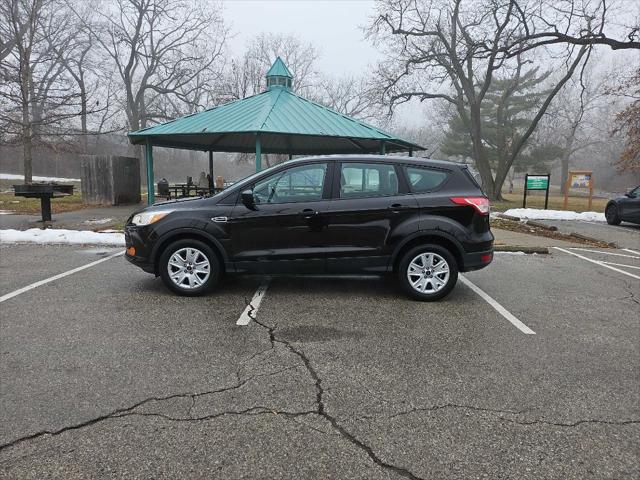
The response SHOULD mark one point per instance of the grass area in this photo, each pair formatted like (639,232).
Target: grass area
(556,202)
(8,201)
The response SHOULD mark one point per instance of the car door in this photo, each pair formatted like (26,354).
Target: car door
(630,206)
(284,232)
(367,204)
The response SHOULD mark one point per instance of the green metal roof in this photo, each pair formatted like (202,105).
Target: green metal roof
(279,69)
(285,122)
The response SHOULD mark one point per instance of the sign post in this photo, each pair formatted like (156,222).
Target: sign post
(579,179)
(536,182)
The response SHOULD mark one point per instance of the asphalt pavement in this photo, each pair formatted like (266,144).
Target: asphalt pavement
(104,374)
(625,235)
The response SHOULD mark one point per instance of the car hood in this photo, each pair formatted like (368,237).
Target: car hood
(177,204)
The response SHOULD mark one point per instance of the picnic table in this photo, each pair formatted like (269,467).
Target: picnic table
(181,190)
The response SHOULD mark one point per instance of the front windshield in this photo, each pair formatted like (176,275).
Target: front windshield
(248,179)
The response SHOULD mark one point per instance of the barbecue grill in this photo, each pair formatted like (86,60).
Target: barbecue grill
(45,192)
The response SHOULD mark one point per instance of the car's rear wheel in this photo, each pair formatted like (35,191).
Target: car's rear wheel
(428,272)
(189,267)
(611,214)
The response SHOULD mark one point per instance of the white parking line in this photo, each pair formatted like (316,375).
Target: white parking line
(251,310)
(621,265)
(15,293)
(597,262)
(497,307)
(580,249)
(631,251)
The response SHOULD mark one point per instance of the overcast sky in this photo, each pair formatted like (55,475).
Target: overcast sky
(333,26)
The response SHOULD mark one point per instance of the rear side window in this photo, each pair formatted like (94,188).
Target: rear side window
(424,179)
(367,180)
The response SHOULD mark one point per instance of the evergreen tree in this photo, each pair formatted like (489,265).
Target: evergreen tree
(506,113)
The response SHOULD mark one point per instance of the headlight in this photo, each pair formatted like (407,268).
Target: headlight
(147,218)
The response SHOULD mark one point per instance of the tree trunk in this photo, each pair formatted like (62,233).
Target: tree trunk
(564,171)
(27,133)
(482,164)
(501,176)
(26,152)
(83,117)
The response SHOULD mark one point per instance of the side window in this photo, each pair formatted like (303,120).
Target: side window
(297,184)
(423,179)
(367,180)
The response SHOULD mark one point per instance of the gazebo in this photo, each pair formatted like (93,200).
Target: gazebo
(274,121)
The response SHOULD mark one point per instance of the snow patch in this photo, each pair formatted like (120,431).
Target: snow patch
(537,214)
(11,176)
(61,236)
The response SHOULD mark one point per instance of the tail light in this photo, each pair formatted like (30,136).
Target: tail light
(481,204)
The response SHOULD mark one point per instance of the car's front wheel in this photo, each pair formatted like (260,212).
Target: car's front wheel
(611,214)
(189,267)
(428,272)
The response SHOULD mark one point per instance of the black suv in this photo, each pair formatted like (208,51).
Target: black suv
(424,220)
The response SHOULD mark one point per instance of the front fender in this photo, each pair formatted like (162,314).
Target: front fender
(207,234)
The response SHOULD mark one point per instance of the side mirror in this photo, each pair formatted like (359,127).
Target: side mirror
(248,200)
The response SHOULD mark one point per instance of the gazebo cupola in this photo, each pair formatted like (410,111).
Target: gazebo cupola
(279,75)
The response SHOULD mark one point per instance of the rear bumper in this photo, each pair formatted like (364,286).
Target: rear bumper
(476,260)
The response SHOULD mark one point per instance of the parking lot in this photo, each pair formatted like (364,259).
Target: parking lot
(529,369)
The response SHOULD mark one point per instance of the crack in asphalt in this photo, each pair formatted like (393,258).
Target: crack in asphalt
(512,412)
(256,410)
(321,410)
(130,410)
(631,295)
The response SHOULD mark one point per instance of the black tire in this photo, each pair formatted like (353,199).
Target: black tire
(611,214)
(207,285)
(450,282)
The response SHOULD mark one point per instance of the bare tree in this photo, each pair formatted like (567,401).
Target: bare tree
(36,98)
(451,51)
(245,76)
(574,22)
(351,96)
(576,113)
(159,48)
(628,123)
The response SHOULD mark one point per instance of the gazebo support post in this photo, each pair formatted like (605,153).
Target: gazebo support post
(211,183)
(148,151)
(258,153)
(383,148)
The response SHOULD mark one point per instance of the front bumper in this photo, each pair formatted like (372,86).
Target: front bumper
(135,242)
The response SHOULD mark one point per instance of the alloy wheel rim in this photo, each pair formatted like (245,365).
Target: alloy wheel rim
(189,268)
(428,273)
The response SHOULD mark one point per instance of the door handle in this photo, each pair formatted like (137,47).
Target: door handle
(309,213)
(398,206)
